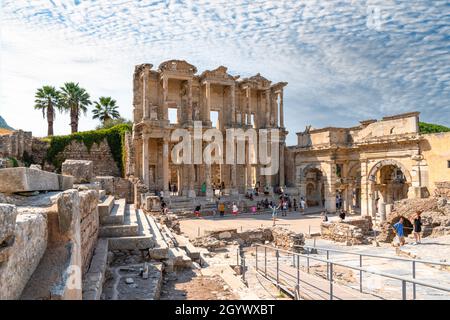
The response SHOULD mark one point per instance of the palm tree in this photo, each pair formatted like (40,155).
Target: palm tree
(47,99)
(75,100)
(105,109)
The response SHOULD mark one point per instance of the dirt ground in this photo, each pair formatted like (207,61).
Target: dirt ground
(191,285)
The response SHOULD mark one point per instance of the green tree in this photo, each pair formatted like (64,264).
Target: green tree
(47,100)
(114,122)
(75,100)
(105,109)
(432,128)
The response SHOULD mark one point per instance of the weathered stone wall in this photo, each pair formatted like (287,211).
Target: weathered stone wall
(354,230)
(116,186)
(15,144)
(89,225)
(99,154)
(30,242)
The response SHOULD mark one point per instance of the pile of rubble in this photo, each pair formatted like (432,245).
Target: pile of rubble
(435,217)
(280,237)
(351,231)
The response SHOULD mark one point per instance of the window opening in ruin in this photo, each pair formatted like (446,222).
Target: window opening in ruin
(252,120)
(278,110)
(173,115)
(214,116)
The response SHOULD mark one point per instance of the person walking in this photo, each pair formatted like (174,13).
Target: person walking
(417,227)
(398,227)
(221,209)
(284,207)
(302,205)
(274,209)
(197,211)
(295,205)
(234,209)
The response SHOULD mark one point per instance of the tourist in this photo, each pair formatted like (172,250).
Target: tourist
(324,215)
(284,208)
(203,188)
(398,228)
(197,211)
(295,205)
(163,207)
(417,227)
(289,204)
(234,209)
(274,212)
(221,209)
(302,204)
(161,195)
(342,215)
(175,189)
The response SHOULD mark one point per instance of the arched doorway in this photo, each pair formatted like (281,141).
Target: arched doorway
(314,188)
(389,182)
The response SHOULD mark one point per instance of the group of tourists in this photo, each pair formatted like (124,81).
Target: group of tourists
(399,227)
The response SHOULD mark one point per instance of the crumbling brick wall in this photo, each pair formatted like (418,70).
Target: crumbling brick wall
(89,225)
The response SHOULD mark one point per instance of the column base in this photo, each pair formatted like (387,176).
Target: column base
(191,194)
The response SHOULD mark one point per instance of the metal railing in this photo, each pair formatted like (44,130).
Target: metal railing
(330,265)
(361,255)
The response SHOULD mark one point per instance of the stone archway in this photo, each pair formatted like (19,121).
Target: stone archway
(312,180)
(388,181)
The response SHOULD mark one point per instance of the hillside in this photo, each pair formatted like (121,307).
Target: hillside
(4,125)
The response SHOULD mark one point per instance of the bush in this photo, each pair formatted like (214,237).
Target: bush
(432,128)
(115,137)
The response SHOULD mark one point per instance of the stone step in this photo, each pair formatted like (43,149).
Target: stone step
(129,228)
(184,243)
(177,259)
(160,251)
(95,277)
(116,215)
(105,207)
(143,241)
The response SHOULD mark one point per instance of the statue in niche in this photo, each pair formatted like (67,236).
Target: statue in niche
(196,111)
(153,112)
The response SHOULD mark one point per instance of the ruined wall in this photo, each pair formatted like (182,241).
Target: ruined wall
(352,230)
(30,243)
(89,225)
(436,152)
(15,144)
(119,187)
(99,154)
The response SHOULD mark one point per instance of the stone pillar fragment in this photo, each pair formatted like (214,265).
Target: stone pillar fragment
(145,168)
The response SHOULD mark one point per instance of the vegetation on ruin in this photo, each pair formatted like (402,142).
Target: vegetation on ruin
(432,128)
(105,109)
(115,137)
(14,161)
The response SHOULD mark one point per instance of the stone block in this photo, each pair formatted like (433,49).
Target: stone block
(25,179)
(81,170)
(65,182)
(8,214)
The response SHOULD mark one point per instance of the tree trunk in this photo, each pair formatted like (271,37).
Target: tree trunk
(74,119)
(50,117)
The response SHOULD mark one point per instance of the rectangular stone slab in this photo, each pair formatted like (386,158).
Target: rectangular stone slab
(25,179)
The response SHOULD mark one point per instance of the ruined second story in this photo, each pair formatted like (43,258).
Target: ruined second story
(176,95)
(401,127)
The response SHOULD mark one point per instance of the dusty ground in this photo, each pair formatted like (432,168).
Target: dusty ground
(190,285)
(294,221)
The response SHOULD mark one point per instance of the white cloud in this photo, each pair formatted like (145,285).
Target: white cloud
(340,69)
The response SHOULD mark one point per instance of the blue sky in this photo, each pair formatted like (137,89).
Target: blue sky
(344,60)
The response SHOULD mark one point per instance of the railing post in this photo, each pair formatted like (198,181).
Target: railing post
(298,275)
(265,261)
(360,272)
(414,277)
(331,281)
(307,260)
(278,269)
(256,258)
(403,290)
(328,266)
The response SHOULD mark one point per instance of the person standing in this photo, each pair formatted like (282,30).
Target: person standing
(221,209)
(303,205)
(234,209)
(295,205)
(398,227)
(197,211)
(274,209)
(417,227)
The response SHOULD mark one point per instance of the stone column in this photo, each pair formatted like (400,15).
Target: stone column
(191,191)
(249,120)
(145,171)
(281,109)
(329,188)
(209,193)
(166,167)
(281,169)
(274,111)
(208,102)
(233,104)
(145,109)
(268,108)
(189,106)
(165,98)
(249,166)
